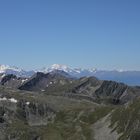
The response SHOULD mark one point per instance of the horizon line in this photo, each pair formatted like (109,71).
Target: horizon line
(64,65)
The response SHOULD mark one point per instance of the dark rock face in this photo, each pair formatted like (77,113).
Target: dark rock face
(87,86)
(7,78)
(2,112)
(1,76)
(110,88)
(11,81)
(32,83)
(41,81)
(106,91)
(113,90)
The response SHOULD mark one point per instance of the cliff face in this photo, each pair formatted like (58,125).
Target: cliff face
(35,114)
(87,86)
(117,93)
(17,116)
(112,90)
(32,113)
(12,81)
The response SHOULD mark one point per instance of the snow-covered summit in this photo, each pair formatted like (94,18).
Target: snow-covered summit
(60,67)
(128,77)
(77,72)
(6,69)
(57,67)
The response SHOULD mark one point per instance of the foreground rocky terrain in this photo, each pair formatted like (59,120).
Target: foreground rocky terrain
(56,106)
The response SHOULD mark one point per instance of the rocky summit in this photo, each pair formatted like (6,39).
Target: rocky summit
(58,106)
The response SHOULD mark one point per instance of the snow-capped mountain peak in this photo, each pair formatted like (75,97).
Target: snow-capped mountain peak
(77,72)
(59,67)
(129,77)
(5,69)
(92,70)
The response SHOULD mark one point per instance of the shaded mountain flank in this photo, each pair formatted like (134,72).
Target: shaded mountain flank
(12,81)
(87,86)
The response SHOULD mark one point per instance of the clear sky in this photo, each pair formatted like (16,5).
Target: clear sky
(80,33)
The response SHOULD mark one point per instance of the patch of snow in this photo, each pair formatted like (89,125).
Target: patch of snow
(78,71)
(3,75)
(27,103)
(24,80)
(92,70)
(13,100)
(3,99)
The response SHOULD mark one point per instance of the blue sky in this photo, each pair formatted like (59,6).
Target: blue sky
(80,33)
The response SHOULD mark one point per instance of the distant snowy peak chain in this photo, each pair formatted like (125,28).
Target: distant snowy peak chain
(57,66)
(15,70)
(77,72)
(128,77)
(60,67)
(5,69)
(66,69)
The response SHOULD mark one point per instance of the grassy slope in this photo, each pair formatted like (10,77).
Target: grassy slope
(68,124)
(72,122)
(127,121)
(74,118)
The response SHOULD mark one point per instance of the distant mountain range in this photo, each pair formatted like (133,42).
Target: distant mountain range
(5,69)
(128,77)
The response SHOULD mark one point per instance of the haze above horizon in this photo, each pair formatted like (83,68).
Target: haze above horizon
(79,33)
